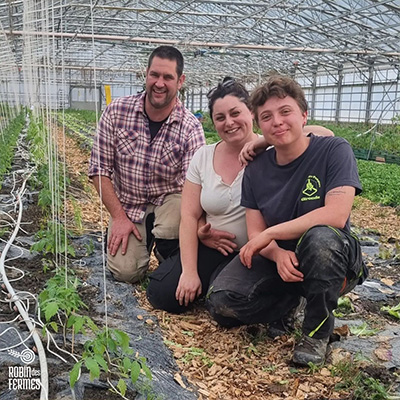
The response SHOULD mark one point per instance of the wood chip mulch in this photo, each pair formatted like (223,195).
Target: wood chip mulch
(239,363)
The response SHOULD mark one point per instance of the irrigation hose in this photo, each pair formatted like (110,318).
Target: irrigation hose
(44,378)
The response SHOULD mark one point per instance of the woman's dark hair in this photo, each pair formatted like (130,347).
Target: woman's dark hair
(229,86)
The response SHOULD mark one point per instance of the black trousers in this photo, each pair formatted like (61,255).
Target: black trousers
(331,262)
(164,280)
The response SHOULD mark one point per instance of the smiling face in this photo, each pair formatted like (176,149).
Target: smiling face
(281,121)
(232,120)
(162,84)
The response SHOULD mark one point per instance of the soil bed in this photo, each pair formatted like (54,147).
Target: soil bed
(189,355)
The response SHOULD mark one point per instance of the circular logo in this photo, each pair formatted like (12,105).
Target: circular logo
(27,356)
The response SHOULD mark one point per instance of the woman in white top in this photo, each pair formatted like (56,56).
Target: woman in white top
(213,226)
(213,223)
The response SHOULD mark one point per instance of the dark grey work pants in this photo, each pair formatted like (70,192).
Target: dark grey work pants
(331,262)
(164,280)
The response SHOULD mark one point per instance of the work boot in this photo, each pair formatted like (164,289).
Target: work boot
(280,327)
(286,324)
(310,350)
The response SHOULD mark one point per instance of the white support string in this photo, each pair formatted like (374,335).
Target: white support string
(100,187)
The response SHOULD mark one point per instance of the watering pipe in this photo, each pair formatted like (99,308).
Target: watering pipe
(32,329)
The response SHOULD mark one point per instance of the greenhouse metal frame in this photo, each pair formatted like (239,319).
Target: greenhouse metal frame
(345,53)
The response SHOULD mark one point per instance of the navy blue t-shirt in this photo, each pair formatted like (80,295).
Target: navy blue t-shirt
(285,192)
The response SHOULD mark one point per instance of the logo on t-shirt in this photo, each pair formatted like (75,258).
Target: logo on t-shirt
(311,189)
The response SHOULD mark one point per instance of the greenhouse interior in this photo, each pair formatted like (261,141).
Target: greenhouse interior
(67,329)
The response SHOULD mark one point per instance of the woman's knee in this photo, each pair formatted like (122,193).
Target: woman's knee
(163,298)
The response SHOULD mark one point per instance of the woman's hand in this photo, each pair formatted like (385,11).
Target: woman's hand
(216,239)
(189,287)
(287,264)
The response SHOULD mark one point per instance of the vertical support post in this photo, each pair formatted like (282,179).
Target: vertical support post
(339,93)
(369,92)
(192,98)
(314,92)
(70,90)
(201,99)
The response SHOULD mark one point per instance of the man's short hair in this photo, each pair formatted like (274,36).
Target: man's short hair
(169,53)
(277,86)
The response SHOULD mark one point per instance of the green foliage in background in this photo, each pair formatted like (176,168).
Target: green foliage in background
(383,138)
(80,125)
(6,110)
(381,182)
(84,115)
(8,140)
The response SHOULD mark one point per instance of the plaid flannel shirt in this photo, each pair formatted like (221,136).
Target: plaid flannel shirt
(143,171)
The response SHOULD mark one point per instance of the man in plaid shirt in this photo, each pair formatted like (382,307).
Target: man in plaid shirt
(138,164)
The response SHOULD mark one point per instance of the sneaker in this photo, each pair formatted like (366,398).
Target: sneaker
(286,323)
(310,350)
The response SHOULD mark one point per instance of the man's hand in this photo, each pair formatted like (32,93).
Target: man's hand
(120,231)
(287,264)
(216,239)
(253,247)
(189,287)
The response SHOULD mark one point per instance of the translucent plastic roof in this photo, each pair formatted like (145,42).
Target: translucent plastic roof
(245,39)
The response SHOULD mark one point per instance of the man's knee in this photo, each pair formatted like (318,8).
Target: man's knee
(168,217)
(128,270)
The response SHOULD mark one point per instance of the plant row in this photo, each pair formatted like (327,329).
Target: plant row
(106,351)
(78,128)
(8,140)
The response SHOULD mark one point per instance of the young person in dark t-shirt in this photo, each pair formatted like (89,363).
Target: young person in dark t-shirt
(298,197)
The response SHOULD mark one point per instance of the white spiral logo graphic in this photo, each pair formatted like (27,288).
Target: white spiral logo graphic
(27,356)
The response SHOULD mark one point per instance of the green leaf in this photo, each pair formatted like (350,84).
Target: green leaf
(126,363)
(51,310)
(362,330)
(93,367)
(135,371)
(102,362)
(54,326)
(71,321)
(147,371)
(122,339)
(122,386)
(78,324)
(74,374)
(393,311)
(91,324)
(111,345)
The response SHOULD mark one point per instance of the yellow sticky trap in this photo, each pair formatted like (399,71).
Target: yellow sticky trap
(107,90)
